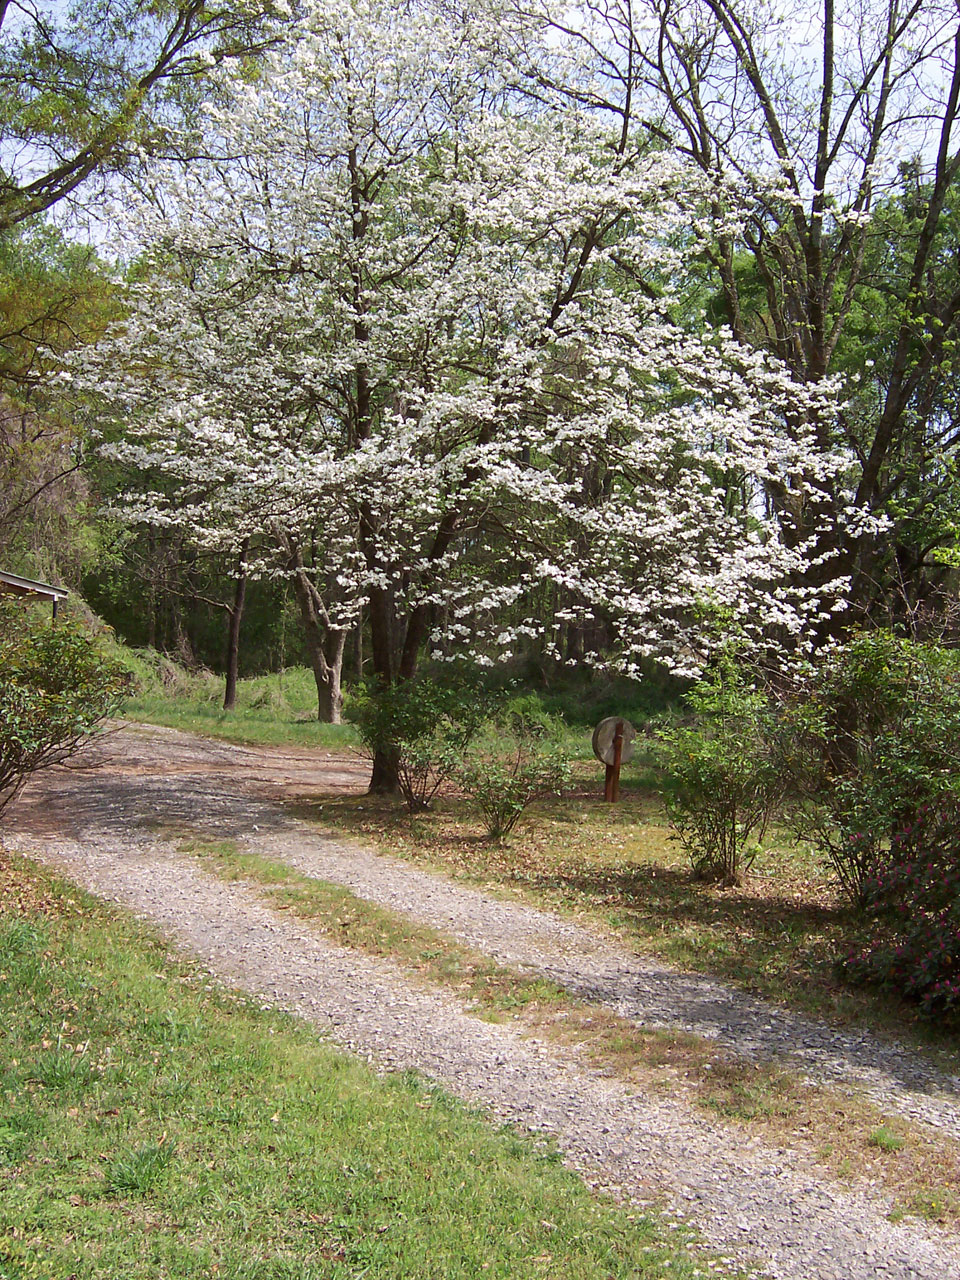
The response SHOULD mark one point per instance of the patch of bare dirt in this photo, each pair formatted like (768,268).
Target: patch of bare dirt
(198,776)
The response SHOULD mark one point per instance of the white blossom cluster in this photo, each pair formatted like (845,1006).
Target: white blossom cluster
(412,309)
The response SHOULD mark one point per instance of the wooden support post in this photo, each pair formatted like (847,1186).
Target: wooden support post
(611,789)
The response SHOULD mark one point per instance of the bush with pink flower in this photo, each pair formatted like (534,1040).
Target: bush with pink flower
(916,952)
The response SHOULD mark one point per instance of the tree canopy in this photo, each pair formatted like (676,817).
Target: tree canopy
(595,330)
(85,88)
(807,120)
(410,313)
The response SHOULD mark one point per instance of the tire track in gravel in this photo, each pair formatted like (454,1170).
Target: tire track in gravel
(761,1205)
(167,779)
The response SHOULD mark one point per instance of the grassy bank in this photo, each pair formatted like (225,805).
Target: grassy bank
(272,710)
(154,1126)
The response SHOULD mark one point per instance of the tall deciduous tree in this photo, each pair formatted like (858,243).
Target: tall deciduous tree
(85,87)
(803,116)
(53,295)
(86,90)
(409,304)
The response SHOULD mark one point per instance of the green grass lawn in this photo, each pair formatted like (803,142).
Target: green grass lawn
(249,726)
(152,1125)
(272,710)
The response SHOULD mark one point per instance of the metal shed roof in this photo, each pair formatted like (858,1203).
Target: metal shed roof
(13,584)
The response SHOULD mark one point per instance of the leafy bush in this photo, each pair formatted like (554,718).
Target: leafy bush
(722,779)
(871,734)
(427,724)
(520,759)
(918,896)
(56,685)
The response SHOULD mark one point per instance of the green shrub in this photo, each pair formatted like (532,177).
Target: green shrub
(722,780)
(525,713)
(917,896)
(871,734)
(56,685)
(427,723)
(520,759)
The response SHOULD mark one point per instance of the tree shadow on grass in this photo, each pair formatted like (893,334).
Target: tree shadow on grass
(654,891)
(764,944)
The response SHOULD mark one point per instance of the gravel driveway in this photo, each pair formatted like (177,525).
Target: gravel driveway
(99,824)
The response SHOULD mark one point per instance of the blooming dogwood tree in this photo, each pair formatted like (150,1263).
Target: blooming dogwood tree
(412,319)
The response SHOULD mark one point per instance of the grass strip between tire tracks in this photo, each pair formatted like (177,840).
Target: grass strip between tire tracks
(778,935)
(846,1135)
(155,1125)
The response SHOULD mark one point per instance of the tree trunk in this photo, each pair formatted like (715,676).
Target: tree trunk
(152,589)
(329,678)
(326,662)
(325,644)
(358,646)
(235,616)
(385,779)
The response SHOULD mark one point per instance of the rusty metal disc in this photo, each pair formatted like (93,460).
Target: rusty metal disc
(603,739)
